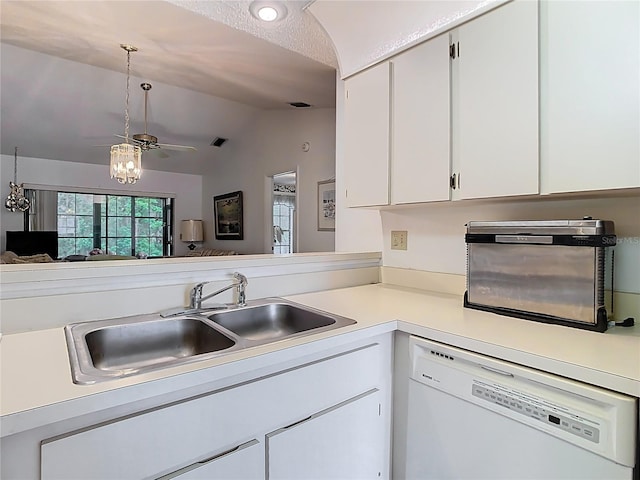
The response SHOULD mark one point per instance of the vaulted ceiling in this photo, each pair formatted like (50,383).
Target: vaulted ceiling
(212,66)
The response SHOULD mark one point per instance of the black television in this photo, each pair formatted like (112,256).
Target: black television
(32,243)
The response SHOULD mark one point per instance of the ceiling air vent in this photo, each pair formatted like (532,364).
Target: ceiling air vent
(299,104)
(218,141)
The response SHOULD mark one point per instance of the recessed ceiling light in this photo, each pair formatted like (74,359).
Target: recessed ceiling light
(268,14)
(268,11)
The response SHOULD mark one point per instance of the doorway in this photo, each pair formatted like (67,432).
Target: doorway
(283,218)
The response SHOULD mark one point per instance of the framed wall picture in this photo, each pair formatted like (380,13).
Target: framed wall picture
(327,206)
(227,216)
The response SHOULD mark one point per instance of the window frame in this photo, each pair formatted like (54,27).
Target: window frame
(101,238)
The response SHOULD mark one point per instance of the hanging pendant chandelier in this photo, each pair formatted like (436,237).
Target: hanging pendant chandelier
(126,159)
(16,199)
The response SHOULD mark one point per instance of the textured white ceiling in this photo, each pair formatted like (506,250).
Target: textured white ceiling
(367,31)
(298,31)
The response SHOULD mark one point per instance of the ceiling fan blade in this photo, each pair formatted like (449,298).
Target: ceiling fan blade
(185,148)
(132,141)
(159,153)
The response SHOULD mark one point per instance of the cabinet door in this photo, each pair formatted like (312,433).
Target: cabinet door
(346,441)
(420,163)
(366,165)
(245,462)
(590,95)
(495,138)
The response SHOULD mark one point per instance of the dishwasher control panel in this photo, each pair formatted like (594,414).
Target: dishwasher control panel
(544,412)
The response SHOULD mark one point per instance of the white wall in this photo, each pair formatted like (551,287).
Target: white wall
(187,188)
(436,232)
(271,145)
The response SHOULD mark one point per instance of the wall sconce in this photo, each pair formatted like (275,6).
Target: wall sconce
(191,231)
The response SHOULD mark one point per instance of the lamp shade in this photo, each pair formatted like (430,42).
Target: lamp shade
(191,231)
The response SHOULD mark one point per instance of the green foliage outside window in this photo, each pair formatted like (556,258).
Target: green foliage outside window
(117,224)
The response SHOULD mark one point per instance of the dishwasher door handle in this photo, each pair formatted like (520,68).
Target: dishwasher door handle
(499,372)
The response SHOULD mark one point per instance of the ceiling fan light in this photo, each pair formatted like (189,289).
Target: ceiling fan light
(126,163)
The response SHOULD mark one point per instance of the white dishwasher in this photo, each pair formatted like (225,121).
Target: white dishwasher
(476,417)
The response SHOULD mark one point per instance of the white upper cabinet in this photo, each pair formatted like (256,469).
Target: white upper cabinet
(420,160)
(495,103)
(463,125)
(366,166)
(529,98)
(590,95)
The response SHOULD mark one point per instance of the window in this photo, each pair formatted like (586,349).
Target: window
(116,224)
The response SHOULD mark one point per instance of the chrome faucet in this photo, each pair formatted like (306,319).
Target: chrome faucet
(239,283)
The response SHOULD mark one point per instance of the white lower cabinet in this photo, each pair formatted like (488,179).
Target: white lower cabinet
(223,434)
(342,442)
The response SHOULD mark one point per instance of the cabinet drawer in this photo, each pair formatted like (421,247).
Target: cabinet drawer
(161,441)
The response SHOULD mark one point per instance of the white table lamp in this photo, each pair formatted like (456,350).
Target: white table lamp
(191,231)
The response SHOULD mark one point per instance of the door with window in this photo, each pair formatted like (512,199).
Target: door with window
(284,212)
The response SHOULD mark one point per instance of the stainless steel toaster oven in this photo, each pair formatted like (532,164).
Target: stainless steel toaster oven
(549,271)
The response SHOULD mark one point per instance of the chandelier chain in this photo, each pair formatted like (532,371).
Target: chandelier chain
(126,103)
(15,165)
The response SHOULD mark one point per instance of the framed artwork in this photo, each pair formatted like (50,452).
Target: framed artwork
(227,216)
(327,206)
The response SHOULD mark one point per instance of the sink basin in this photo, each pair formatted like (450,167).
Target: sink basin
(107,349)
(141,344)
(273,321)
(123,347)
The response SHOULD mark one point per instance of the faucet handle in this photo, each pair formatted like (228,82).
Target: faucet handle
(195,297)
(242,280)
(197,290)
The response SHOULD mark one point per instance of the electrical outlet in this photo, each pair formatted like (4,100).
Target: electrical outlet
(399,239)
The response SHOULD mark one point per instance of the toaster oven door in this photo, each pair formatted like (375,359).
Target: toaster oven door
(558,281)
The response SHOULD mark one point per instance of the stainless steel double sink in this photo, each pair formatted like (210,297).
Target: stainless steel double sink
(116,348)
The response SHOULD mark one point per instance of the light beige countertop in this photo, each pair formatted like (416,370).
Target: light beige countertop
(35,371)
(610,360)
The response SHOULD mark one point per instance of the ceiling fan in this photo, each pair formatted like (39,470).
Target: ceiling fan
(148,142)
